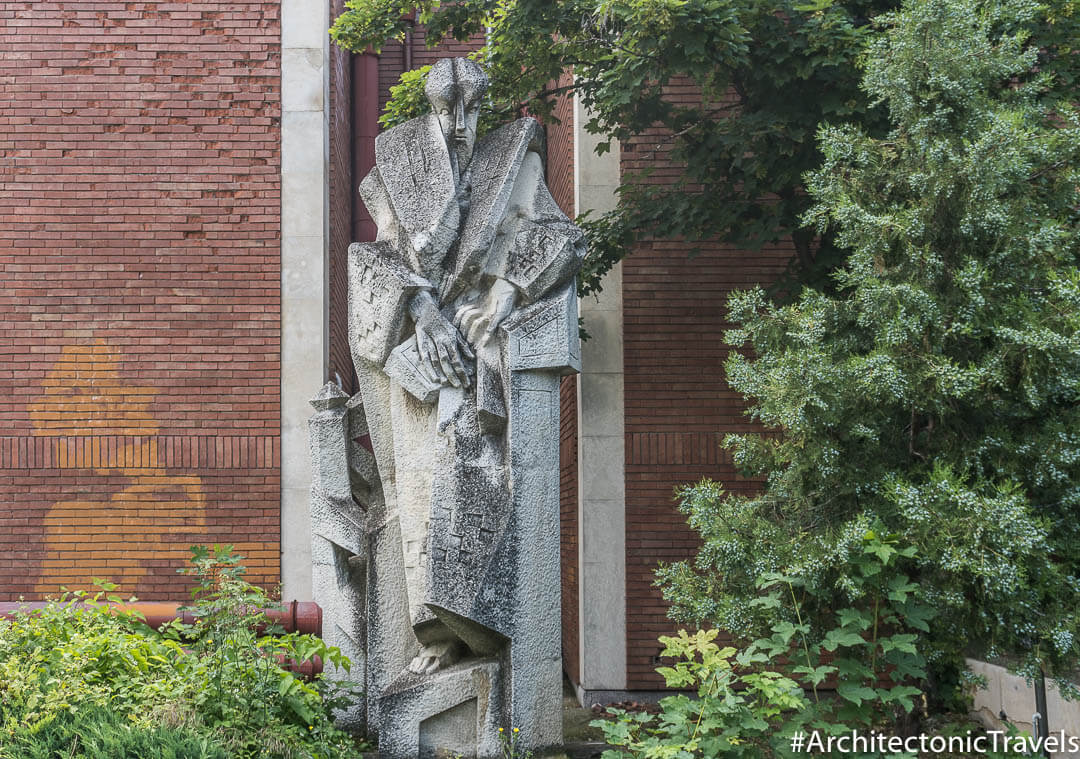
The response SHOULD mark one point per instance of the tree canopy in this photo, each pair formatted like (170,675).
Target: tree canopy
(767,74)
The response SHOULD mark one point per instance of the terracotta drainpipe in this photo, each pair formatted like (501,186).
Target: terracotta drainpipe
(364,94)
(365,126)
(304,617)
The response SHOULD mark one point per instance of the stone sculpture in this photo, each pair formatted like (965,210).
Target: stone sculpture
(435,504)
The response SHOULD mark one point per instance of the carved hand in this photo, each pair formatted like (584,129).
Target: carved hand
(478,322)
(439,343)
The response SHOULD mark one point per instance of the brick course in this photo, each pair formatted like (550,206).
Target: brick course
(678,409)
(139,290)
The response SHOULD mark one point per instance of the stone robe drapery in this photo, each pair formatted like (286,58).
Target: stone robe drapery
(444,455)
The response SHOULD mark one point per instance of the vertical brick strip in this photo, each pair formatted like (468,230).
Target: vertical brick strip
(560,179)
(678,406)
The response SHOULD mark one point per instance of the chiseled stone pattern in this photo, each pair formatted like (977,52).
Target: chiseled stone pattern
(458,710)
(435,504)
(338,538)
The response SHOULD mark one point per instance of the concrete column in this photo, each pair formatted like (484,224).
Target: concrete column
(304,264)
(601,444)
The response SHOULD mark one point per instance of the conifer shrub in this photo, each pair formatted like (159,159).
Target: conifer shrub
(934,397)
(95,732)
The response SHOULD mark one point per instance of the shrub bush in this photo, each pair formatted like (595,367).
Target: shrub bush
(751,702)
(220,679)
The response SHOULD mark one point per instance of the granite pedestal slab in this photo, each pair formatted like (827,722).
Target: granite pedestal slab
(436,494)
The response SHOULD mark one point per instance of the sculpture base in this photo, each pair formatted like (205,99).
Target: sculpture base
(417,722)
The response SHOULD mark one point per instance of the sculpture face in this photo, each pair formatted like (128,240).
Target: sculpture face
(458,121)
(455,88)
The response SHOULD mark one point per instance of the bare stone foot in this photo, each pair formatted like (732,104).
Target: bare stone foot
(435,656)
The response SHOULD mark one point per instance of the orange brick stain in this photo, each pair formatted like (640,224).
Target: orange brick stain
(143,509)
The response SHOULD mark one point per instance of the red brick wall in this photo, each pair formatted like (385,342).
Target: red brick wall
(568,512)
(391,64)
(678,409)
(449,48)
(678,406)
(560,152)
(560,179)
(139,290)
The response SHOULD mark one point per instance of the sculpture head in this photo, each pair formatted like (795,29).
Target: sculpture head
(455,87)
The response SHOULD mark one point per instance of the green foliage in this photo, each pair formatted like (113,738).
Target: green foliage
(76,653)
(766,74)
(407,99)
(752,720)
(749,703)
(934,397)
(220,678)
(246,693)
(97,733)
(508,745)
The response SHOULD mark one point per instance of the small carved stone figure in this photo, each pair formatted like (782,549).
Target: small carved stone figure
(463,316)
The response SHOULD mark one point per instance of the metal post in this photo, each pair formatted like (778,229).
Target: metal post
(1040,726)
